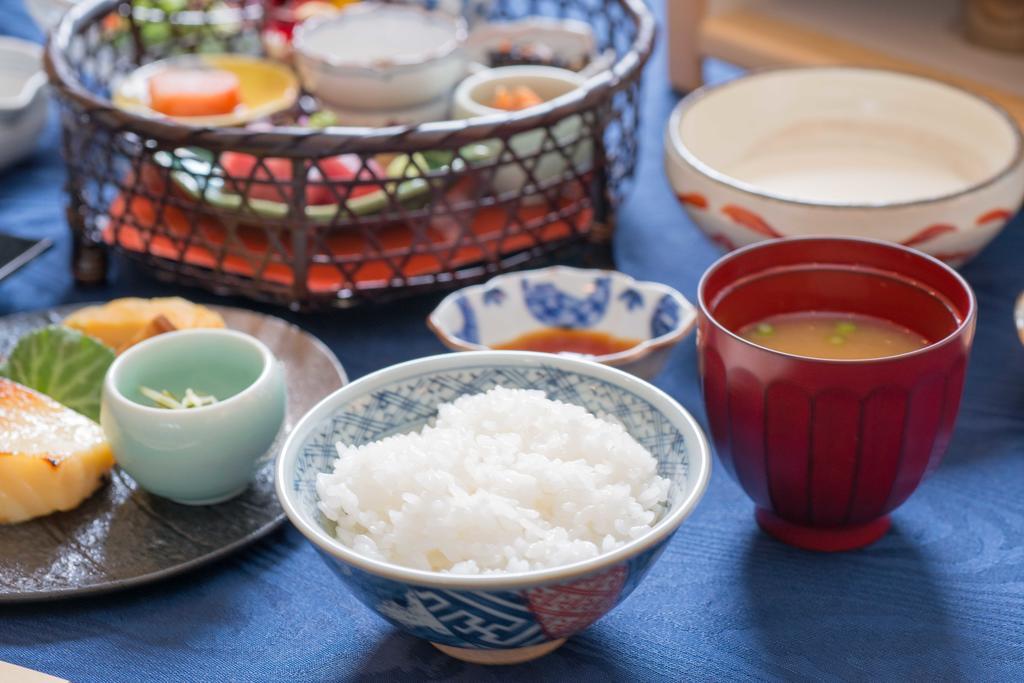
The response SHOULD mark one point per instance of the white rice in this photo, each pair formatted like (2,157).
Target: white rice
(505,481)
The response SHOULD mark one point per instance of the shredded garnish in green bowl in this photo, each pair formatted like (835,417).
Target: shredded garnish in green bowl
(165,399)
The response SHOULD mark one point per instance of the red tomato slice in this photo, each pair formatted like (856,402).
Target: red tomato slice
(194,92)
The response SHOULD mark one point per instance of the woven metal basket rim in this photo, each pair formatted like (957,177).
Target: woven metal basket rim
(289,141)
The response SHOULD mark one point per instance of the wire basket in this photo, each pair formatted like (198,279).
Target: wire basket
(420,208)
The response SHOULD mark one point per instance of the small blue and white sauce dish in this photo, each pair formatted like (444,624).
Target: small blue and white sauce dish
(603,315)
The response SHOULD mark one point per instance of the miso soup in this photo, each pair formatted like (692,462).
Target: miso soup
(832,336)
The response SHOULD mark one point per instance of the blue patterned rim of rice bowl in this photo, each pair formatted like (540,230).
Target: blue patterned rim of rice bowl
(665,315)
(700,462)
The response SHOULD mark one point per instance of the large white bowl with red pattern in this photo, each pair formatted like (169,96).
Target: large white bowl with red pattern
(846,151)
(491,618)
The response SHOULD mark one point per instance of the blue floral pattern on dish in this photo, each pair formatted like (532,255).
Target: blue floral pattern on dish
(665,317)
(632,298)
(490,618)
(494,296)
(470,329)
(552,307)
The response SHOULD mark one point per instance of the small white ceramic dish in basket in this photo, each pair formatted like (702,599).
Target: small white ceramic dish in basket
(381,57)
(606,301)
(473,97)
(846,151)
(570,41)
(23,100)
(496,618)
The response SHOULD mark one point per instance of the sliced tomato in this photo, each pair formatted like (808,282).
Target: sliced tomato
(194,92)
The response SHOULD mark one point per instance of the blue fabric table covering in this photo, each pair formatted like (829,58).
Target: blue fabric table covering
(940,597)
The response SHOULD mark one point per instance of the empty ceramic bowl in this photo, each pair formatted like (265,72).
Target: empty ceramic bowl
(497,618)
(375,57)
(194,456)
(846,151)
(623,322)
(474,98)
(23,100)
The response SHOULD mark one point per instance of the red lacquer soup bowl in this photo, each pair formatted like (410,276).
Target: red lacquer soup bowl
(827,448)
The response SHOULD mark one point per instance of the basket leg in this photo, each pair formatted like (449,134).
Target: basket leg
(89,259)
(599,252)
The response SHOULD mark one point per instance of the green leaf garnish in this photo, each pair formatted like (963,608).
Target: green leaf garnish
(64,364)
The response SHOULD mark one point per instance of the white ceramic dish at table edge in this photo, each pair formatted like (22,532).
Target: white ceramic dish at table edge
(482,316)
(846,151)
(549,83)
(517,616)
(386,83)
(23,99)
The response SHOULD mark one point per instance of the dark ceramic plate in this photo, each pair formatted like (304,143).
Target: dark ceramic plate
(123,536)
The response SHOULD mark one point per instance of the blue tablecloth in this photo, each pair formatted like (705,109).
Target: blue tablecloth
(940,597)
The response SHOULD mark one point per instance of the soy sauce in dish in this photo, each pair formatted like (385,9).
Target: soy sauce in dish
(562,340)
(833,336)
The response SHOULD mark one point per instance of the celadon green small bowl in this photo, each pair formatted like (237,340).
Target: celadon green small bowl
(194,456)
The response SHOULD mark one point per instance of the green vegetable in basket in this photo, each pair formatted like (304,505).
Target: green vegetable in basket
(323,119)
(159,27)
(62,363)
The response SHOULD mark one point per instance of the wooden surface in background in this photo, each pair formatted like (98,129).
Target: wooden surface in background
(773,33)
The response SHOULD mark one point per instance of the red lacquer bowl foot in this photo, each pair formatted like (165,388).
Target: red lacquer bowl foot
(823,539)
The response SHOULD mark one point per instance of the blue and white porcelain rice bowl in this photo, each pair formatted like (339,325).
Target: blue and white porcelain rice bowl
(510,305)
(498,618)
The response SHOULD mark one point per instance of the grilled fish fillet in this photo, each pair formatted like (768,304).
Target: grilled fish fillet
(51,458)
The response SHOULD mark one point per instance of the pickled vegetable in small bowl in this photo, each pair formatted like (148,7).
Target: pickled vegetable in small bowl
(191,414)
(209,90)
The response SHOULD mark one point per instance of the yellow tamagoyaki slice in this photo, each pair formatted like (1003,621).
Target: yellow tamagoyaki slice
(122,321)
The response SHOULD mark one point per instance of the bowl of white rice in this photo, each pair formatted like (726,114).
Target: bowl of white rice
(494,503)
